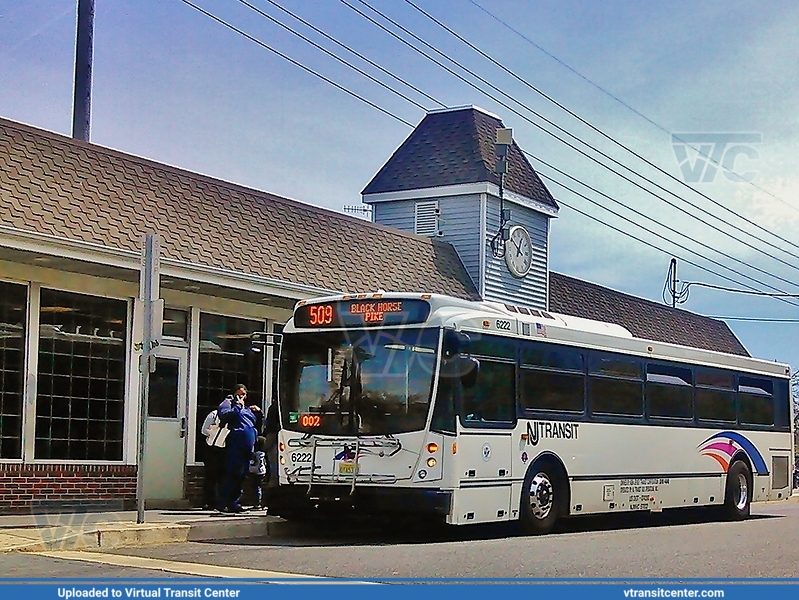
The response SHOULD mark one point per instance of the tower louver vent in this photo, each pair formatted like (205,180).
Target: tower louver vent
(426,218)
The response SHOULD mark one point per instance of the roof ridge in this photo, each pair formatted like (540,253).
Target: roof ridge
(478,147)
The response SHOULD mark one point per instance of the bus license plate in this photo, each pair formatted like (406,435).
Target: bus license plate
(347,469)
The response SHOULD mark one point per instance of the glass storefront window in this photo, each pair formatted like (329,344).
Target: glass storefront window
(225,360)
(81,378)
(13,304)
(175,324)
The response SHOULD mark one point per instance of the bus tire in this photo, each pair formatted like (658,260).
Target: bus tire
(543,495)
(738,492)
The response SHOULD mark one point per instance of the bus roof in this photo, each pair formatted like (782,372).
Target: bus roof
(535,324)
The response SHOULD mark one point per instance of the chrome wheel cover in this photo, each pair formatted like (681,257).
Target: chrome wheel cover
(541,496)
(741,492)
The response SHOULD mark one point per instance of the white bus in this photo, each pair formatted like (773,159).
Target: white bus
(394,403)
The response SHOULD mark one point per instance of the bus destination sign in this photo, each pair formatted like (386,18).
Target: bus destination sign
(360,313)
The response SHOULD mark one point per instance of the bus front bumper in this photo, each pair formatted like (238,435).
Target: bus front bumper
(296,498)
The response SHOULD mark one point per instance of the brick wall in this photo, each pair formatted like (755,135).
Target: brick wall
(25,488)
(43,487)
(194,487)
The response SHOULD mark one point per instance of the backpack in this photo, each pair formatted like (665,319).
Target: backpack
(214,434)
(258,463)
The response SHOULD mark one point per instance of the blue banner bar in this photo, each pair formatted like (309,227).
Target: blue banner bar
(392,590)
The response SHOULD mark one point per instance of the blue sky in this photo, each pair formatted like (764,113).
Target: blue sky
(172,85)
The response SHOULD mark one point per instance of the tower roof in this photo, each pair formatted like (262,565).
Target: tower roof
(456,146)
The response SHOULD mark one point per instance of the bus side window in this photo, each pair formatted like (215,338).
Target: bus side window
(492,400)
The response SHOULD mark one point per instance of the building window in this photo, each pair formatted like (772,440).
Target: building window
(81,379)
(225,360)
(13,302)
(175,324)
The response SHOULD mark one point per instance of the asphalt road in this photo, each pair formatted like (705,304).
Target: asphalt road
(679,545)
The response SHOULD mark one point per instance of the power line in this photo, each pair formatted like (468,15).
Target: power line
(233,28)
(623,103)
(667,227)
(420,91)
(710,260)
(726,289)
(559,128)
(341,45)
(295,63)
(756,319)
(332,55)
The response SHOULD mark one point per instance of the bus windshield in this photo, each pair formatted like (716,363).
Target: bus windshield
(367,382)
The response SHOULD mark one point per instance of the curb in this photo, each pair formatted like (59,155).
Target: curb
(108,536)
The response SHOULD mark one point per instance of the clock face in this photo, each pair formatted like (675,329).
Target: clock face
(519,252)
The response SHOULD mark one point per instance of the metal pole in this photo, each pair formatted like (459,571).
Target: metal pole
(148,292)
(84,45)
(674,283)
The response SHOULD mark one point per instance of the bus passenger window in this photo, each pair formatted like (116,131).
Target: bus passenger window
(755,401)
(715,405)
(493,398)
(715,395)
(615,385)
(669,391)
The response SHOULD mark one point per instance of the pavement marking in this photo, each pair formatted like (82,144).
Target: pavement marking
(188,568)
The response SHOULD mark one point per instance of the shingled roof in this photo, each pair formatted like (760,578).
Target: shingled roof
(452,147)
(59,186)
(643,318)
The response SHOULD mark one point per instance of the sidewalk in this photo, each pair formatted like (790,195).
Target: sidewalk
(108,530)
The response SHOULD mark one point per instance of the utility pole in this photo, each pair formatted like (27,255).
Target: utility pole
(673,269)
(149,287)
(84,47)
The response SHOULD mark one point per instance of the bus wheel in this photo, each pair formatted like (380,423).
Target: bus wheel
(738,494)
(542,497)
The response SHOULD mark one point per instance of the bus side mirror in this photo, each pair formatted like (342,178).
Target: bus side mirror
(455,342)
(468,368)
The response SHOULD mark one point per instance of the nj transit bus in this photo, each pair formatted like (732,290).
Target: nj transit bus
(477,412)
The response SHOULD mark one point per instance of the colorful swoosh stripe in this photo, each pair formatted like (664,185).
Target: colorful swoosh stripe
(723,446)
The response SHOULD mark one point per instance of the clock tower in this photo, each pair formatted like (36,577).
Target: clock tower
(446,181)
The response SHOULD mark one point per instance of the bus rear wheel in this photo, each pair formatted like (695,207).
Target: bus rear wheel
(542,498)
(738,493)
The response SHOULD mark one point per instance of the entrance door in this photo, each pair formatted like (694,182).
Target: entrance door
(165,437)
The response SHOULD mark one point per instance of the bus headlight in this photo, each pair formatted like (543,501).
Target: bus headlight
(431,462)
(432,447)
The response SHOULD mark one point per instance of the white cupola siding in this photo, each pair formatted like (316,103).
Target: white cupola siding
(441,183)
